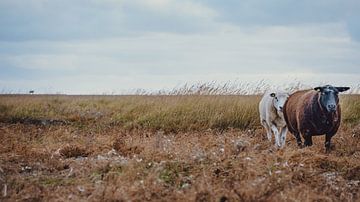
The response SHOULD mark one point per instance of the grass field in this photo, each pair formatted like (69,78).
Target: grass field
(166,148)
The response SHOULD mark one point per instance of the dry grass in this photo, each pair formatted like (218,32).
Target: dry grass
(163,148)
(168,113)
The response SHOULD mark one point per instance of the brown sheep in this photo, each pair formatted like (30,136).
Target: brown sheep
(314,112)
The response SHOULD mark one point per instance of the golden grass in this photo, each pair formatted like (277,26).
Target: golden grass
(166,148)
(168,113)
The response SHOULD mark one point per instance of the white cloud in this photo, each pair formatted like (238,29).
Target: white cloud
(230,48)
(155,4)
(44,61)
(185,8)
(310,53)
(156,58)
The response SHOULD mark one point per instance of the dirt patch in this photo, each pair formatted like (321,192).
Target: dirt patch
(70,151)
(353,173)
(203,197)
(120,146)
(33,121)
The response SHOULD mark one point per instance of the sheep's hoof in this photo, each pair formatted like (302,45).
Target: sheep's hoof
(329,148)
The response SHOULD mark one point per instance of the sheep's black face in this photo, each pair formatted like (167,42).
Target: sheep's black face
(329,96)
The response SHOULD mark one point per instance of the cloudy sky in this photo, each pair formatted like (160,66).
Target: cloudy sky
(104,46)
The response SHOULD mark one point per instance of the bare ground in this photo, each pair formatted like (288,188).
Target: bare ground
(60,162)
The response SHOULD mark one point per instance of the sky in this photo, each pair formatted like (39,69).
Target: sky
(117,46)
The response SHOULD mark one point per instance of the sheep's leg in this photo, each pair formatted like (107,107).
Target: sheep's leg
(276,134)
(298,139)
(283,136)
(328,142)
(308,140)
(268,131)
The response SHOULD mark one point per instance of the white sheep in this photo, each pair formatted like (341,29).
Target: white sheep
(272,117)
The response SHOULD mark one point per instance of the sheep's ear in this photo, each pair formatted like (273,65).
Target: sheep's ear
(272,94)
(342,89)
(319,89)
